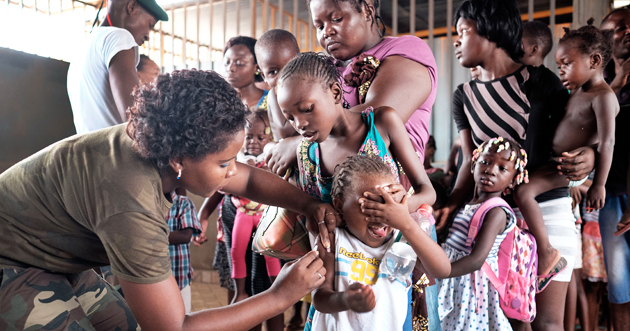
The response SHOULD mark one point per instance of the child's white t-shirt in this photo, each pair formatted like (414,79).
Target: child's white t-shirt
(90,93)
(357,262)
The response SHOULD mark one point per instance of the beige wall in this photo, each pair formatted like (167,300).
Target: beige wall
(201,257)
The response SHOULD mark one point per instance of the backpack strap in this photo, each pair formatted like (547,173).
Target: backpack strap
(492,277)
(478,216)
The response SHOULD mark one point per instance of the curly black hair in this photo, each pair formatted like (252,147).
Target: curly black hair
(250,43)
(358,6)
(590,40)
(313,66)
(187,113)
(497,20)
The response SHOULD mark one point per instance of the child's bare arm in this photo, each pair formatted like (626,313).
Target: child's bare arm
(209,205)
(493,224)
(606,108)
(391,126)
(358,297)
(397,216)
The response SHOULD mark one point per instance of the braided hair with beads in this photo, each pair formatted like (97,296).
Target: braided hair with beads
(517,154)
(354,166)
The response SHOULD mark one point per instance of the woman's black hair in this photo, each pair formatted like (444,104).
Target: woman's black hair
(250,43)
(311,66)
(358,6)
(187,113)
(590,40)
(497,20)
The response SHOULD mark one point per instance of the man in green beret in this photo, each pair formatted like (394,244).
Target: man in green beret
(103,73)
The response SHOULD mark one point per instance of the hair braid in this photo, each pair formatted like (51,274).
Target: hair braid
(356,165)
(590,40)
(517,154)
(310,66)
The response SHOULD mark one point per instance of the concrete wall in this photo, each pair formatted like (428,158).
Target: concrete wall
(34,107)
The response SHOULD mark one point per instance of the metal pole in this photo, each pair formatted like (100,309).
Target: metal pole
(307,35)
(552,17)
(395,18)
(274,16)
(412,17)
(265,22)
(224,22)
(161,46)
(185,40)
(431,21)
(295,19)
(530,10)
(238,17)
(252,3)
(281,11)
(449,56)
(198,42)
(173,36)
(211,3)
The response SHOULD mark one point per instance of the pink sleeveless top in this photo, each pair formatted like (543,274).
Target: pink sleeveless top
(415,49)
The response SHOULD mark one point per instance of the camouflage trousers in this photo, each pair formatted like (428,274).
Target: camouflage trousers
(35,299)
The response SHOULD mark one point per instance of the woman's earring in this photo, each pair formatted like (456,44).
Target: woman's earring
(179,175)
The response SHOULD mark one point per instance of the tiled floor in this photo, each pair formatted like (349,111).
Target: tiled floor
(207,295)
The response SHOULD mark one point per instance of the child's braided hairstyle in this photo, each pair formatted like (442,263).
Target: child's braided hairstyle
(590,40)
(354,165)
(311,66)
(517,154)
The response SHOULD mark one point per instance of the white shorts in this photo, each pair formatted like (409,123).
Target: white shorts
(560,223)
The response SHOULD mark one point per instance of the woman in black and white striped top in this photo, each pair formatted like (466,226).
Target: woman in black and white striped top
(519,102)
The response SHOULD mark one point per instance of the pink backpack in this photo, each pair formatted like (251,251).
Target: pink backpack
(518,264)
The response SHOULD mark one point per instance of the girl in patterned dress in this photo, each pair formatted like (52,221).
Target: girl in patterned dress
(467,299)
(310,96)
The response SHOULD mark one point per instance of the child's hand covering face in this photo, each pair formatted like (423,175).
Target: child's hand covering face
(371,232)
(391,212)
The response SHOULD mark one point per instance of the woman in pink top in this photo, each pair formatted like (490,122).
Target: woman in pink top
(399,72)
(405,78)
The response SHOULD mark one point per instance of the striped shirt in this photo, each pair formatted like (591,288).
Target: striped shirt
(525,106)
(182,215)
(458,233)
(497,108)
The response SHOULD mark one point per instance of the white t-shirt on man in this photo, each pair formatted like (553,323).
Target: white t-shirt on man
(90,93)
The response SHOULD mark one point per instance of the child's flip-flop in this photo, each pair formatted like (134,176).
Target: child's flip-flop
(623,230)
(546,279)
